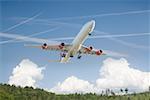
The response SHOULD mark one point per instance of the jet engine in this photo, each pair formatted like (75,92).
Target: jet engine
(89,49)
(61,45)
(44,46)
(99,52)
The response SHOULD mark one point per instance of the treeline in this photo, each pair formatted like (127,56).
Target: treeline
(11,92)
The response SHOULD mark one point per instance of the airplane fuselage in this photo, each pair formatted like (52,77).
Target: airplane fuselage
(79,40)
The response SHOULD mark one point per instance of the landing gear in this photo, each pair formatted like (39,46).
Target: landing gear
(89,34)
(71,56)
(63,54)
(79,56)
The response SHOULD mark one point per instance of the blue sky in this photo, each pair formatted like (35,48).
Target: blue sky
(13,12)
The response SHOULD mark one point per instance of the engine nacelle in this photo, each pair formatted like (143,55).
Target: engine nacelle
(99,52)
(61,45)
(91,48)
(44,46)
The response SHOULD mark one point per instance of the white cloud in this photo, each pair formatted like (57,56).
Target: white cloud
(114,74)
(26,73)
(72,85)
(118,74)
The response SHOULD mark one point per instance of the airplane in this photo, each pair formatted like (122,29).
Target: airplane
(68,51)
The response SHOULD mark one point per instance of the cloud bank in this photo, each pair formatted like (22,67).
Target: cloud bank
(114,74)
(26,73)
(118,74)
(73,85)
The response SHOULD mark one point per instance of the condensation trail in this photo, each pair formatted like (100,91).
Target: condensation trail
(13,40)
(126,43)
(110,14)
(94,16)
(115,54)
(105,36)
(35,34)
(90,37)
(21,23)
(103,15)
(25,38)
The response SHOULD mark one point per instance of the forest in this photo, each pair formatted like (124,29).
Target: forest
(12,92)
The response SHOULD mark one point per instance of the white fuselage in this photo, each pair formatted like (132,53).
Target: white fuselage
(79,39)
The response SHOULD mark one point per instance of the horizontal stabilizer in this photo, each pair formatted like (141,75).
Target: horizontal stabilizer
(54,61)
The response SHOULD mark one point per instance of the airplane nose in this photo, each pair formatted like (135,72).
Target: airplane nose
(92,25)
(93,22)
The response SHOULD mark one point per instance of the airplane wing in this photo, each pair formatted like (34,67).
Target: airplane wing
(60,47)
(90,50)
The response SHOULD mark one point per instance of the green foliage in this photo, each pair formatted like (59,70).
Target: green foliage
(8,92)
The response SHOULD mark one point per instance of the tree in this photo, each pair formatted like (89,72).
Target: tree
(9,92)
(112,93)
(121,90)
(126,90)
